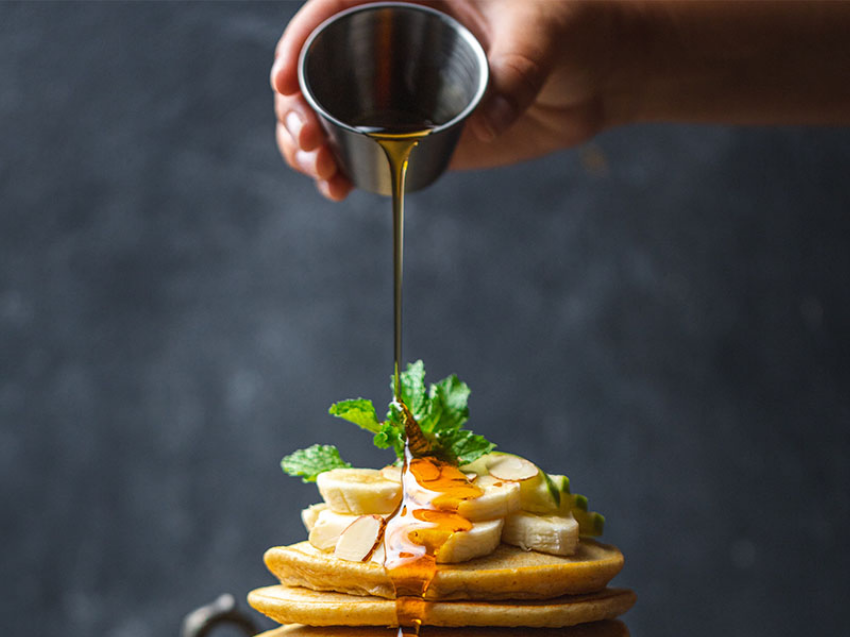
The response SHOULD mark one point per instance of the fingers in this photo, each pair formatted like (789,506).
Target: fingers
(300,121)
(317,164)
(299,135)
(304,147)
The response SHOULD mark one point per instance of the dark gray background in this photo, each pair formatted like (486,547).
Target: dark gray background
(662,315)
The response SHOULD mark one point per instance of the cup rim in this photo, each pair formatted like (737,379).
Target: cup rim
(465,33)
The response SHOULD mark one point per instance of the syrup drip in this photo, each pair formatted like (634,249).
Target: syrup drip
(432,489)
(431,492)
(397,133)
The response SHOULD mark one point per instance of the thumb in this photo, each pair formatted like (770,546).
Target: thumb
(520,60)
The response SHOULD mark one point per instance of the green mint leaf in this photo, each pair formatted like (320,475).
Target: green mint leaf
(440,409)
(452,396)
(463,445)
(310,462)
(430,421)
(390,435)
(413,392)
(359,411)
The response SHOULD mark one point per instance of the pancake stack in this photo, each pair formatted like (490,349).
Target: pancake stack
(509,588)
(475,541)
(605,628)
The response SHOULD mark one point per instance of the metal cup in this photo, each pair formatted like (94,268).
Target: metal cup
(396,62)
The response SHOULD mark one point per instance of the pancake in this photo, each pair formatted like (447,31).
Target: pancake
(604,628)
(294,605)
(508,573)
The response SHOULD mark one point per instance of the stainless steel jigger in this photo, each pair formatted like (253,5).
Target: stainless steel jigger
(392,56)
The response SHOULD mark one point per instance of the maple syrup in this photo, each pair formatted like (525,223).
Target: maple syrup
(397,133)
(432,489)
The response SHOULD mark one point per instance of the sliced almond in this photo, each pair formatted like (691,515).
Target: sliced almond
(357,542)
(392,472)
(327,529)
(513,468)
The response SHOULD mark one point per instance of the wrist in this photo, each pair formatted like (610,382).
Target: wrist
(731,63)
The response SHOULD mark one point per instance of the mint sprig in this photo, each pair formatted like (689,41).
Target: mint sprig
(359,411)
(310,462)
(440,409)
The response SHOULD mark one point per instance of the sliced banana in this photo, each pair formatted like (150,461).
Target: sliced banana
(590,523)
(500,499)
(392,472)
(328,527)
(505,466)
(541,495)
(482,539)
(311,514)
(479,467)
(553,534)
(359,491)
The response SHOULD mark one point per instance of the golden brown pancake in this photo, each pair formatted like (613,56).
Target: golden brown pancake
(508,573)
(605,628)
(294,605)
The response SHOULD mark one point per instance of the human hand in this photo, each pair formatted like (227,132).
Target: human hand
(549,67)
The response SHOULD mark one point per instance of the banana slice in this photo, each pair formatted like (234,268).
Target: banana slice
(311,514)
(500,499)
(542,495)
(359,491)
(590,523)
(392,472)
(504,466)
(328,527)
(553,534)
(482,539)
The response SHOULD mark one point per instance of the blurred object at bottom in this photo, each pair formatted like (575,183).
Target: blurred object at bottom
(223,611)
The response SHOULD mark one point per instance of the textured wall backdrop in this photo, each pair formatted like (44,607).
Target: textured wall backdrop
(662,315)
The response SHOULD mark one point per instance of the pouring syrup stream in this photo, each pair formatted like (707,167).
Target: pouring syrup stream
(431,488)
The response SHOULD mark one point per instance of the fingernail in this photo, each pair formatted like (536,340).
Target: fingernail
(325,165)
(498,115)
(293,124)
(324,188)
(306,161)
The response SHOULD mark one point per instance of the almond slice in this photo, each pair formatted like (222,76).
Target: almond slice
(513,468)
(357,542)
